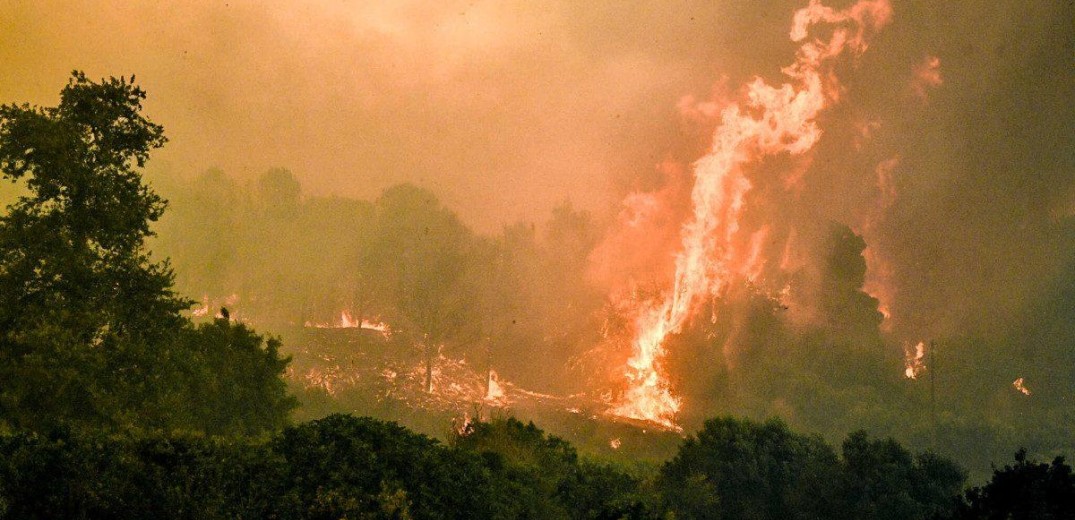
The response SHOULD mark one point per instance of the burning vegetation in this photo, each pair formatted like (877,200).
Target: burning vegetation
(772,262)
(778,249)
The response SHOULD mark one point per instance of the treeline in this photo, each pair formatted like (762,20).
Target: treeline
(348,467)
(517,300)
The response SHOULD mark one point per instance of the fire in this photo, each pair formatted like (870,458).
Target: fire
(1020,386)
(927,75)
(771,121)
(879,273)
(378,326)
(615,443)
(348,321)
(915,361)
(493,393)
(203,311)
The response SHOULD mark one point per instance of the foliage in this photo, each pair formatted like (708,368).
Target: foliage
(226,380)
(1023,491)
(79,295)
(91,475)
(556,483)
(91,334)
(343,466)
(349,467)
(883,480)
(739,469)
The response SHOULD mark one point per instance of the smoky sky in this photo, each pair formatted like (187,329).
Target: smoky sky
(506,108)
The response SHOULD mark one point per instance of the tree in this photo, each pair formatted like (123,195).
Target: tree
(79,293)
(348,467)
(223,379)
(544,476)
(883,480)
(739,469)
(1023,491)
(90,329)
(417,253)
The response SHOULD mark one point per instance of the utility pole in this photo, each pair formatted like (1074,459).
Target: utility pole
(429,364)
(933,390)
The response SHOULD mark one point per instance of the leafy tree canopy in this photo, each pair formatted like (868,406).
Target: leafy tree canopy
(90,328)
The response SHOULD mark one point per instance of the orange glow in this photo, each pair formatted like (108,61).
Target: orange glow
(203,311)
(752,265)
(880,278)
(770,121)
(927,75)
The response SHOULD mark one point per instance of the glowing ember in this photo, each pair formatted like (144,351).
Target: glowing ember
(614,444)
(915,363)
(464,425)
(773,120)
(330,378)
(1020,386)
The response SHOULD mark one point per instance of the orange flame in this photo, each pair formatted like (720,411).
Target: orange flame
(494,392)
(915,362)
(348,321)
(772,120)
(879,273)
(1020,386)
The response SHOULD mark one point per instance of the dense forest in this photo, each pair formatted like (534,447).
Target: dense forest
(116,401)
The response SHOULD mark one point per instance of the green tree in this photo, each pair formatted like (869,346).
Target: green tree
(90,328)
(1023,491)
(883,480)
(739,469)
(80,296)
(545,477)
(348,467)
(224,379)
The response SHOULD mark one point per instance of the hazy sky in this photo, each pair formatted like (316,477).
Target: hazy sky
(505,108)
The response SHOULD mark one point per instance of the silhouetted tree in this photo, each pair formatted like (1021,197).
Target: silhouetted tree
(90,329)
(1025,490)
(79,294)
(739,469)
(883,480)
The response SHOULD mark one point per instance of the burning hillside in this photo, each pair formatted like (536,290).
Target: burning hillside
(801,218)
(760,155)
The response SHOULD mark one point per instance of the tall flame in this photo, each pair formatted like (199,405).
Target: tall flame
(772,120)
